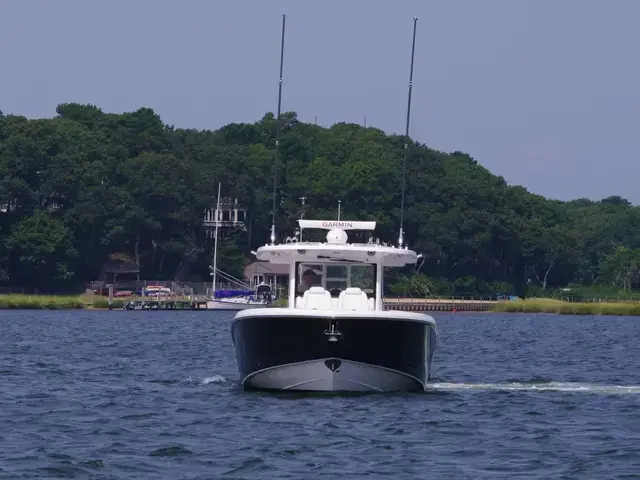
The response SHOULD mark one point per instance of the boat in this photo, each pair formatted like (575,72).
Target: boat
(239,299)
(260,297)
(155,291)
(334,335)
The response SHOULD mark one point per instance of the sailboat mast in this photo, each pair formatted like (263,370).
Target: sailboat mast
(406,136)
(275,165)
(215,243)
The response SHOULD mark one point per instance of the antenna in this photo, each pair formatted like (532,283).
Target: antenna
(406,136)
(215,245)
(275,165)
(302,199)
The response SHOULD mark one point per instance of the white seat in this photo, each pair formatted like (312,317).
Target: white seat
(316,298)
(353,299)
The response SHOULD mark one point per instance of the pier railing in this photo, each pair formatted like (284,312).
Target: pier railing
(452,299)
(494,298)
(449,304)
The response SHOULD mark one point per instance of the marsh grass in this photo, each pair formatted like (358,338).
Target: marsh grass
(41,302)
(548,305)
(57,302)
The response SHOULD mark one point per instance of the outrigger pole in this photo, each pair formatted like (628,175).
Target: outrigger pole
(275,165)
(406,137)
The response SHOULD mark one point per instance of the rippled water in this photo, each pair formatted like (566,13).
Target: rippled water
(144,395)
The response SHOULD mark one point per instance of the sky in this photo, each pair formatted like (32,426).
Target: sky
(542,92)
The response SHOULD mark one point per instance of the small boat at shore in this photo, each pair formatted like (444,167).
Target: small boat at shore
(260,297)
(237,299)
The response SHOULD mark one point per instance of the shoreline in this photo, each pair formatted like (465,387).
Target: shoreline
(531,305)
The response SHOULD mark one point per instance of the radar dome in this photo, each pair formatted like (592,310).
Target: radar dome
(337,236)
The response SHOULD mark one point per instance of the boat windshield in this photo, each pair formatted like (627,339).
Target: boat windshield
(336,277)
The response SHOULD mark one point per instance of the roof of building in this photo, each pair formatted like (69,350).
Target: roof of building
(119,267)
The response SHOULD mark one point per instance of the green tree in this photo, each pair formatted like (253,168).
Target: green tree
(127,183)
(622,268)
(41,251)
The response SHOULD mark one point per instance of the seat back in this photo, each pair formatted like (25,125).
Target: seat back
(316,298)
(353,299)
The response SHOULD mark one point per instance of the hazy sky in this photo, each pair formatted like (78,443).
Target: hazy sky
(543,92)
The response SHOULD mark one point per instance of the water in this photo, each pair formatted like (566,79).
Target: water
(132,395)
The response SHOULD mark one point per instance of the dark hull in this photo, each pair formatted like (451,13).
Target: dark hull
(363,354)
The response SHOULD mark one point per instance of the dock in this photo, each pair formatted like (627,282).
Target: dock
(403,304)
(439,304)
(165,304)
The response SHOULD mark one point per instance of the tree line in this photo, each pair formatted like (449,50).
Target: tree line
(88,186)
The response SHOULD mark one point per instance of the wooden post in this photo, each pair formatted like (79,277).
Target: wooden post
(110,297)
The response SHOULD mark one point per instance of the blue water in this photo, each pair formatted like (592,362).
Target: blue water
(146,395)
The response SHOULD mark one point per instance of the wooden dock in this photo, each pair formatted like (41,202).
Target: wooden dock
(404,304)
(165,304)
(439,304)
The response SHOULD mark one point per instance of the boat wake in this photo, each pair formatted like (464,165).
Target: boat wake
(533,385)
(190,381)
(571,387)
(214,379)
